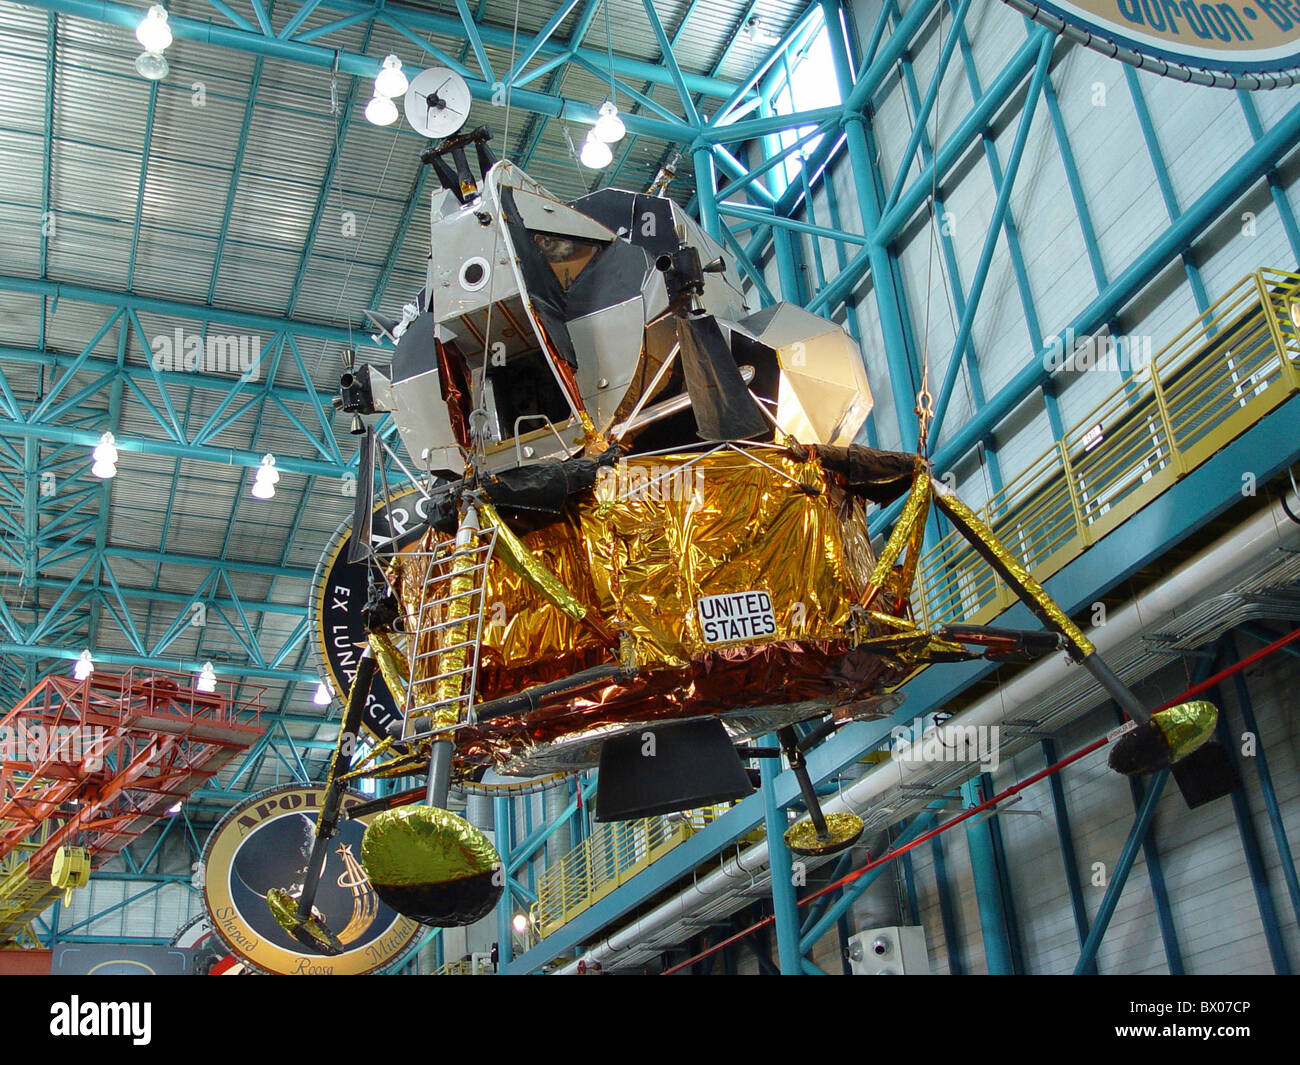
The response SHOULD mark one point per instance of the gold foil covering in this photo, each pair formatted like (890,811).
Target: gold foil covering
(842,831)
(676,527)
(1009,568)
(1187,726)
(908,532)
(517,556)
(424,845)
(392,666)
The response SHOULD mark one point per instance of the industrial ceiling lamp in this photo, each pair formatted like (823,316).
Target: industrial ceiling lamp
(154,35)
(595,152)
(105,456)
(381,111)
(322,696)
(390,81)
(609,127)
(84,666)
(207,681)
(266,479)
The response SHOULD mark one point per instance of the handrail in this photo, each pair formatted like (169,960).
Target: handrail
(613,854)
(1218,376)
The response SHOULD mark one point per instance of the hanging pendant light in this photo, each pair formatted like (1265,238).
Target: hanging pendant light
(609,127)
(595,154)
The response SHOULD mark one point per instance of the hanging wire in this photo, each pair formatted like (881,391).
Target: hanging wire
(478,396)
(609,49)
(925,400)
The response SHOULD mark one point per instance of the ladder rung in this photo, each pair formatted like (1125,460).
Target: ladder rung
(440,703)
(439,626)
(442,676)
(445,650)
(449,599)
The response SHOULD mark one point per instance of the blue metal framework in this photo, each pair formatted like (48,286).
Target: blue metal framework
(727,128)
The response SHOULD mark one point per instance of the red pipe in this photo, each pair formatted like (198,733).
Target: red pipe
(1034,778)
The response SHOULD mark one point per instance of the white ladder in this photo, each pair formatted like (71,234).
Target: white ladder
(446,642)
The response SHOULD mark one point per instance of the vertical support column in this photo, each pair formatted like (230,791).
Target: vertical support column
(778,857)
(1156,875)
(988,892)
(888,297)
(503,818)
(947,913)
(1266,787)
(1118,878)
(1254,855)
(1068,856)
(706,191)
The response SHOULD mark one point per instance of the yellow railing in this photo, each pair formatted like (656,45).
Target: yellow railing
(613,854)
(1215,379)
(455,968)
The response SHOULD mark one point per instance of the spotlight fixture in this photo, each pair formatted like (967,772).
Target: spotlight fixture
(174,808)
(152,66)
(595,153)
(609,127)
(519,923)
(322,696)
(153,33)
(381,111)
(757,33)
(207,681)
(105,456)
(266,479)
(154,36)
(390,81)
(84,667)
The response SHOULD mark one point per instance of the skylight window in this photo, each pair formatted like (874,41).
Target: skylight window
(806,83)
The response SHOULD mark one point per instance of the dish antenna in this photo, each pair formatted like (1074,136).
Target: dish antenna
(437,102)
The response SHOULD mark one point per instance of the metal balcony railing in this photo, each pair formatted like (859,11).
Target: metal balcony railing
(1226,370)
(612,855)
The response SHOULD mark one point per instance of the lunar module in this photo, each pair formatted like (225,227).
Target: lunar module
(646,539)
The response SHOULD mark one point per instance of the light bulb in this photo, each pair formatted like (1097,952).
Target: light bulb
(609,127)
(153,33)
(105,456)
(322,696)
(266,479)
(390,81)
(595,153)
(207,681)
(520,923)
(381,110)
(152,66)
(84,666)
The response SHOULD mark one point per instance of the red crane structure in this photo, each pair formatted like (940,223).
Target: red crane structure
(93,763)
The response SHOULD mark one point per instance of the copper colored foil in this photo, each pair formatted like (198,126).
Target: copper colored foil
(655,535)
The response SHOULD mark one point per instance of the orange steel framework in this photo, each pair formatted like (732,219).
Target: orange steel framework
(93,763)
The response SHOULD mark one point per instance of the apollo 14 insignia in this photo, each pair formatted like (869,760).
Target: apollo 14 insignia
(264,843)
